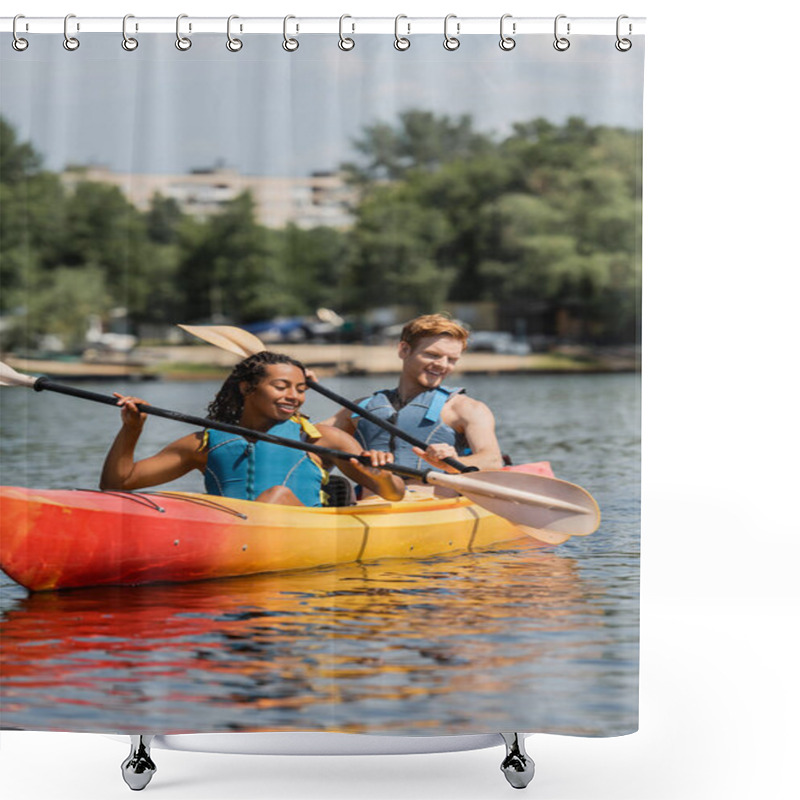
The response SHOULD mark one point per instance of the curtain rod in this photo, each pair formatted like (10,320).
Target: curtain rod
(348,25)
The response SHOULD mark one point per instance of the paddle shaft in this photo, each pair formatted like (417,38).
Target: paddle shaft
(45,384)
(385,424)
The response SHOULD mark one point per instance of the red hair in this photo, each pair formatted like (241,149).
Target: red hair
(433,325)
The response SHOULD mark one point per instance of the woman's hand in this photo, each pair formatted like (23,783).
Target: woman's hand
(370,475)
(132,418)
(378,459)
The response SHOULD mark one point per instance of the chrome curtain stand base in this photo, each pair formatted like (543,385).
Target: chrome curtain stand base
(139,767)
(517,766)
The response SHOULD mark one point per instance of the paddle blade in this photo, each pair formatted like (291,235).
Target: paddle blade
(501,509)
(10,377)
(548,537)
(532,501)
(234,340)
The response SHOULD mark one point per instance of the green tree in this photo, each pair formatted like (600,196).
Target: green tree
(316,261)
(544,222)
(421,140)
(18,160)
(92,229)
(105,230)
(231,267)
(398,252)
(32,229)
(163,219)
(59,302)
(31,223)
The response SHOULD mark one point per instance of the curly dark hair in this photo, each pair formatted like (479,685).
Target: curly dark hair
(229,401)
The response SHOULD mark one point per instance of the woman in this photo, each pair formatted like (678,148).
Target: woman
(264,393)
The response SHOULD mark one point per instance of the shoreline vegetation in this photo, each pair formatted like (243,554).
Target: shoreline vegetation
(200,362)
(533,234)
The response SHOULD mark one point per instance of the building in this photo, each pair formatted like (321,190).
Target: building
(322,198)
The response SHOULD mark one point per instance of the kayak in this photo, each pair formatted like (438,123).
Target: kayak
(60,539)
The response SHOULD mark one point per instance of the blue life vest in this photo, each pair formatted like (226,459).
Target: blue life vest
(420,417)
(242,469)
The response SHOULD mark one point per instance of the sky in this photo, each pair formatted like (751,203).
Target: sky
(263,111)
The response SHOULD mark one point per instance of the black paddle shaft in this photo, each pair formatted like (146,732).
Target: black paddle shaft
(45,384)
(382,423)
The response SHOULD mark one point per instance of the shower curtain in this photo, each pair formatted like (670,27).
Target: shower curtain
(319,191)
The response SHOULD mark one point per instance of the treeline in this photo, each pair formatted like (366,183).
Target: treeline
(545,222)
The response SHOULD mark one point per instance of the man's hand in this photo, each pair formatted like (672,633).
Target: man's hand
(436,453)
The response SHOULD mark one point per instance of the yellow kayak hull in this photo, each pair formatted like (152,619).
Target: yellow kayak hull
(58,539)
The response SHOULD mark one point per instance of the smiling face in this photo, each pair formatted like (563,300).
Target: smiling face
(276,397)
(430,361)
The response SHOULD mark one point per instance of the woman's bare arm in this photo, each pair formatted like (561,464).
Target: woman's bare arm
(122,472)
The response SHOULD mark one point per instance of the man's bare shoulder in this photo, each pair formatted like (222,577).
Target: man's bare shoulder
(468,408)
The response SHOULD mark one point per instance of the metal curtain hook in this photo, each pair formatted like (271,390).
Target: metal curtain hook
(561,43)
(233,44)
(289,45)
(18,43)
(507,42)
(623,45)
(345,42)
(400,42)
(451,42)
(128,42)
(70,42)
(182,42)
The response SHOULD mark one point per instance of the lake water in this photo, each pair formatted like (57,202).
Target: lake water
(517,638)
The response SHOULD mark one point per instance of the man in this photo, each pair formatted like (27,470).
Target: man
(452,424)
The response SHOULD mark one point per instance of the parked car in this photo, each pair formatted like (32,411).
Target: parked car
(497,342)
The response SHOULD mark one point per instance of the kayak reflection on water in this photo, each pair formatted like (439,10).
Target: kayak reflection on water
(353,645)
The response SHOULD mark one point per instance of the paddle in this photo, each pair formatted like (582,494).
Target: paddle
(244,344)
(545,508)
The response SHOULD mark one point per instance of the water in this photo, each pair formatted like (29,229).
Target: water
(518,638)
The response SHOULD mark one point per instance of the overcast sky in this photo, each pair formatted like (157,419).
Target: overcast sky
(267,112)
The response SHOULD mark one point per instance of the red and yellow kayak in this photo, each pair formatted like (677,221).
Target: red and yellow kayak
(60,539)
